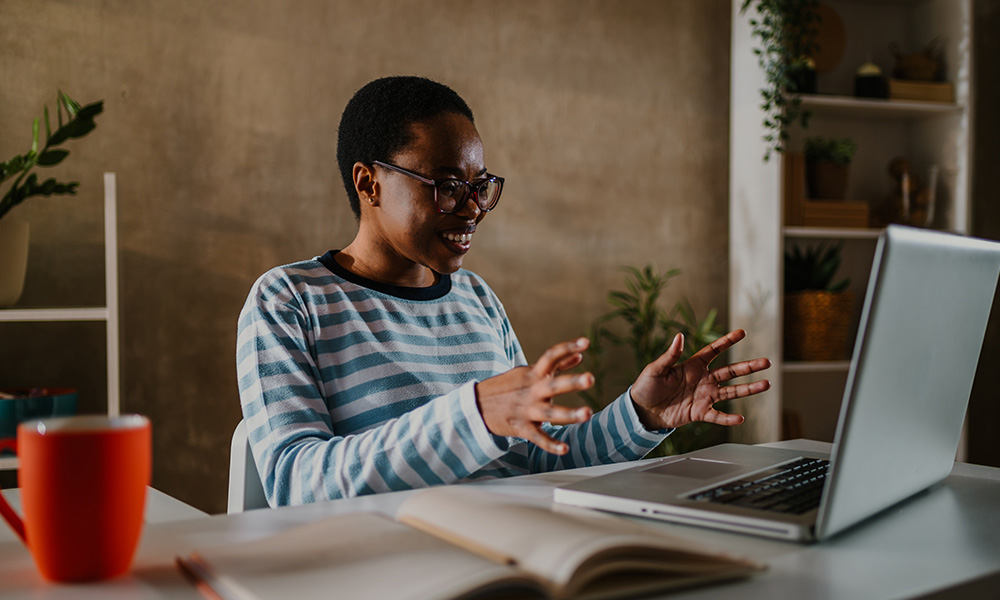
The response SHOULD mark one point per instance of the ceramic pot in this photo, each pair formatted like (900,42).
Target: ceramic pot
(826,180)
(13,259)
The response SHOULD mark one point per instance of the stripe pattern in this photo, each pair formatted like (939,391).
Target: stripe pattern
(351,387)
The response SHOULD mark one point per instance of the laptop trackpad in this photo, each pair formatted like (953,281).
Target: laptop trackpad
(695,468)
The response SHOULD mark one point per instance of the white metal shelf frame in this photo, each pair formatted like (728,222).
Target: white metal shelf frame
(108,313)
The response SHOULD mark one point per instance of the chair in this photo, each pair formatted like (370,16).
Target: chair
(246,492)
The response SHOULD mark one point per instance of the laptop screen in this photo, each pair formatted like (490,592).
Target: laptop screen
(922,325)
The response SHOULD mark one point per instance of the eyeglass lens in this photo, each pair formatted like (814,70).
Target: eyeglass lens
(452,194)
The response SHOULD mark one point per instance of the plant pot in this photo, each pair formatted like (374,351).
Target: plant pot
(13,260)
(817,325)
(826,180)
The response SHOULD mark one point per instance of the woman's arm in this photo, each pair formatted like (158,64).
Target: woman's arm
(300,454)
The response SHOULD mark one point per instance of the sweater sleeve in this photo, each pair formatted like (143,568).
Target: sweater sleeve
(299,455)
(614,434)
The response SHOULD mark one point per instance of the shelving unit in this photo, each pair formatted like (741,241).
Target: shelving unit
(924,132)
(108,313)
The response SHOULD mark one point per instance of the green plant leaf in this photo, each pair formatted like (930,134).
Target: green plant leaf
(80,123)
(60,135)
(52,157)
(79,128)
(69,104)
(813,268)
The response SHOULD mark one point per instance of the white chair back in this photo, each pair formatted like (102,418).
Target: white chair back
(246,492)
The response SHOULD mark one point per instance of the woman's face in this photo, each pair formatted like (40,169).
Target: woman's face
(412,236)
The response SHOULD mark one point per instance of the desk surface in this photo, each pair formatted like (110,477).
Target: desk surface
(943,543)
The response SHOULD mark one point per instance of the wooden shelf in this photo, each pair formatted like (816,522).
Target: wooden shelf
(836,366)
(832,232)
(848,106)
(53,314)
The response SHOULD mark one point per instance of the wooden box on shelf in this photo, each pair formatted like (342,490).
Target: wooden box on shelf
(926,91)
(800,211)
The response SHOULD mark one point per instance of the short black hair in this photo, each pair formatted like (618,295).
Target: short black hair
(376,121)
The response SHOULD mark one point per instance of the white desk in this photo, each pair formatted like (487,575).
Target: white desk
(944,543)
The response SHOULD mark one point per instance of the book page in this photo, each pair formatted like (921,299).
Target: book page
(568,547)
(358,556)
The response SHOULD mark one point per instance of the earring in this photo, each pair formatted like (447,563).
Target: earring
(371,199)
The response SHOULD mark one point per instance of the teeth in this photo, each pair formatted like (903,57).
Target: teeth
(463,238)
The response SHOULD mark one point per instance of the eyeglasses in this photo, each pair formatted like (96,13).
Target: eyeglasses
(450,195)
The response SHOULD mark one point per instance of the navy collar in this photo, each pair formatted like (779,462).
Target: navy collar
(438,290)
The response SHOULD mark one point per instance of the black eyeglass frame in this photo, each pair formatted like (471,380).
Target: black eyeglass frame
(473,187)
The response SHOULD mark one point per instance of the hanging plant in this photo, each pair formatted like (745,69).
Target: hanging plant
(787,32)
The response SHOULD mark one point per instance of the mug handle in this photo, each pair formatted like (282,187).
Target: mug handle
(6,511)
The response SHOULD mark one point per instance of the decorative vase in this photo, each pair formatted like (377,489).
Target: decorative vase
(13,259)
(826,180)
(817,325)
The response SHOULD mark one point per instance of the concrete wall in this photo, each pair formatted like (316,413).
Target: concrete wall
(609,120)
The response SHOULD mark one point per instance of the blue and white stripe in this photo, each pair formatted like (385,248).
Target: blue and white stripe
(351,387)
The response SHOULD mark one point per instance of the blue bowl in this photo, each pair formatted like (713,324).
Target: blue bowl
(34,403)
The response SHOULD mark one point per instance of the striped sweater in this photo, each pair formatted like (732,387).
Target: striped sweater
(350,386)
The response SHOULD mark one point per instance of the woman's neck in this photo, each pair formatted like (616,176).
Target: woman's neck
(376,265)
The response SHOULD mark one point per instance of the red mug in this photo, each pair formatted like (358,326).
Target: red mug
(83,493)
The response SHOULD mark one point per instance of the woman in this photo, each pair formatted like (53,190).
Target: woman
(386,366)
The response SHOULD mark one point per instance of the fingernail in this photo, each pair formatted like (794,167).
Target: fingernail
(581,343)
(582,413)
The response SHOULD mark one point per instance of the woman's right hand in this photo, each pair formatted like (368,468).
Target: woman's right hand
(517,402)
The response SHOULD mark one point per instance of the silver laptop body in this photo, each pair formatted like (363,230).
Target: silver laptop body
(922,326)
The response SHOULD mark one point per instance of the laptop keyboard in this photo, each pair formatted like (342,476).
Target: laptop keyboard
(792,488)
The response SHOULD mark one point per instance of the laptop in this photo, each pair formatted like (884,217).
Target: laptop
(922,325)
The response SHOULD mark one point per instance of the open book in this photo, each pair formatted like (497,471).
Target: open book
(460,542)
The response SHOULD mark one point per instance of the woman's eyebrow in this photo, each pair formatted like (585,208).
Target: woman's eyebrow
(458,174)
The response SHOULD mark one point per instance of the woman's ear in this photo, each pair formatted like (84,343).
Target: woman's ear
(365,183)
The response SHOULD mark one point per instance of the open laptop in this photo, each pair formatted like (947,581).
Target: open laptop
(921,331)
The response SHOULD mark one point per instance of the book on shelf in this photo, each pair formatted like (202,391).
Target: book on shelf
(462,542)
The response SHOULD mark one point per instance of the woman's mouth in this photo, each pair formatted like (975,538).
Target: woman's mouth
(461,238)
(457,242)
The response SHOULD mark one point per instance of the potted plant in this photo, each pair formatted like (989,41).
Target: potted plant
(817,306)
(642,325)
(787,32)
(79,121)
(828,162)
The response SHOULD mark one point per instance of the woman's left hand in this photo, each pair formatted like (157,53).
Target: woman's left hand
(668,394)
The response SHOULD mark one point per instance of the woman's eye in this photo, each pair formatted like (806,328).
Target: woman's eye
(450,187)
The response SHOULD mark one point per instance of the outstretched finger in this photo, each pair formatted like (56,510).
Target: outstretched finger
(569,362)
(742,390)
(550,387)
(707,354)
(721,418)
(740,369)
(671,356)
(538,437)
(546,412)
(549,363)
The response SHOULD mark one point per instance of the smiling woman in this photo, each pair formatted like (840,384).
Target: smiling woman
(387,366)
